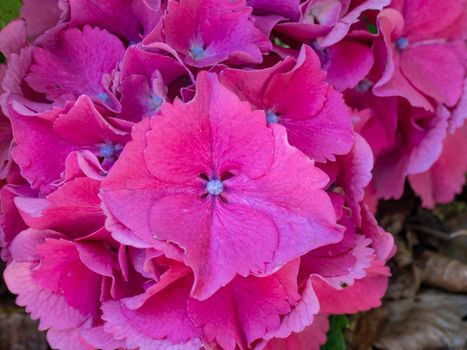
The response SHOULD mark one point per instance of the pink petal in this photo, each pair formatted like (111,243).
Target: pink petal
(291,195)
(40,17)
(341,28)
(365,294)
(211,131)
(219,240)
(435,70)
(116,16)
(350,62)
(311,338)
(65,72)
(219,30)
(52,309)
(242,312)
(392,82)
(446,177)
(13,38)
(162,322)
(73,209)
(422,19)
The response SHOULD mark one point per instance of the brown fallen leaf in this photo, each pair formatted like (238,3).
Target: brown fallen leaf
(19,332)
(443,272)
(405,283)
(367,328)
(433,320)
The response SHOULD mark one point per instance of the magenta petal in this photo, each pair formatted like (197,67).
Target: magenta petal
(423,134)
(310,338)
(13,38)
(341,28)
(84,125)
(73,209)
(350,62)
(365,294)
(211,132)
(220,240)
(161,322)
(52,309)
(446,176)
(392,82)
(130,183)
(214,31)
(116,16)
(291,195)
(62,272)
(316,117)
(35,138)
(285,8)
(302,315)
(242,312)
(40,17)
(435,70)
(355,174)
(422,20)
(65,72)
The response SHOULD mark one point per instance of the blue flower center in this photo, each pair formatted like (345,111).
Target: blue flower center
(107,150)
(364,85)
(272,118)
(215,187)
(402,43)
(103,97)
(155,102)
(197,51)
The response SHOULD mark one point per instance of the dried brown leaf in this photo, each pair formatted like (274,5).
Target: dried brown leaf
(434,320)
(443,272)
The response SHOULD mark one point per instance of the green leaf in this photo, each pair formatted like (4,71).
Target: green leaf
(9,10)
(336,340)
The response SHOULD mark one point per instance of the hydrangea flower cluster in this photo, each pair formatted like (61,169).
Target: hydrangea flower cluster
(203,174)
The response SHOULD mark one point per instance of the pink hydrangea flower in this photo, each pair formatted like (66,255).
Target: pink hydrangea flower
(293,93)
(328,21)
(75,127)
(144,82)
(214,31)
(229,174)
(68,249)
(64,73)
(424,52)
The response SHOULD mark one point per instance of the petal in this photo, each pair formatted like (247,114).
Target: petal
(215,136)
(291,195)
(365,294)
(73,209)
(242,312)
(435,70)
(446,177)
(350,63)
(220,240)
(222,29)
(392,81)
(311,338)
(160,323)
(423,20)
(65,72)
(116,16)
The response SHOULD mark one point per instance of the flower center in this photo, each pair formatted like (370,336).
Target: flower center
(108,150)
(155,102)
(402,43)
(272,118)
(196,51)
(364,85)
(215,187)
(103,97)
